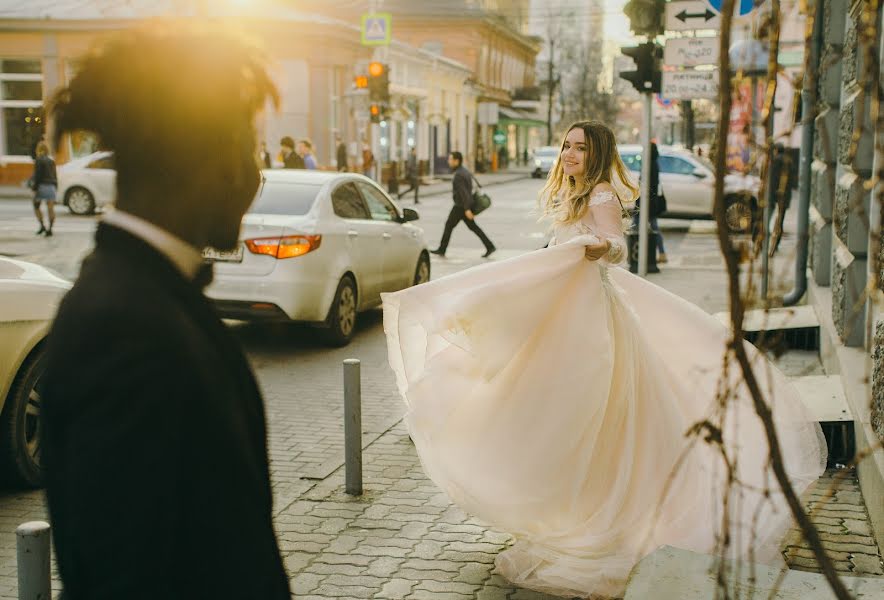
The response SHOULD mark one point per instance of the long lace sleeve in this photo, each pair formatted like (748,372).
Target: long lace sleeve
(607,223)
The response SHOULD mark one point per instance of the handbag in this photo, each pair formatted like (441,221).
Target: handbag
(660,205)
(481,200)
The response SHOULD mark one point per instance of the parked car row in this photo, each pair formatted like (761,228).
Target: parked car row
(316,247)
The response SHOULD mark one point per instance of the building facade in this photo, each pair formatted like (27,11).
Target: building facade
(313,59)
(490,38)
(845,226)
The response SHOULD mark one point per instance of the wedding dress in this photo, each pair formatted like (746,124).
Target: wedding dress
(550,396)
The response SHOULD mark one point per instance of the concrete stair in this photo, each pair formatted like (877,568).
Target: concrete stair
(674,574)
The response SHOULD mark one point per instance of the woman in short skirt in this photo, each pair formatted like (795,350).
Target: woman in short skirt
(45,185)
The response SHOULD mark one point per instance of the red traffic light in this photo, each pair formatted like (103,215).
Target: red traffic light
(375,110)
(376,69)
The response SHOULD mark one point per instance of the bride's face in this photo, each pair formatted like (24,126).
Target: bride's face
(574,153)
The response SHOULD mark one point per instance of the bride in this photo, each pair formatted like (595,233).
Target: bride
(551,396)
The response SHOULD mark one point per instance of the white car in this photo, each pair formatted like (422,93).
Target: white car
(688,182)
(544,160)
(88,183)
(318,247)
(29,298)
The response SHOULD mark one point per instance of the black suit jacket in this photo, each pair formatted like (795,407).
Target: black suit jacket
(157,472)
(293,161)
(462,185)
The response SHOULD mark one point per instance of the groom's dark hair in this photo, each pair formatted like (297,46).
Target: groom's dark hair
(458,157)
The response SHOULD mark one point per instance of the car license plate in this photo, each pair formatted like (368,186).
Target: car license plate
(213,255)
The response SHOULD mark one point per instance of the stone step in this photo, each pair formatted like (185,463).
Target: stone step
(798,326)
(823,395)
(674,574)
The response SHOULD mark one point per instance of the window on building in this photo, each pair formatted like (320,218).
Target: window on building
(21,106)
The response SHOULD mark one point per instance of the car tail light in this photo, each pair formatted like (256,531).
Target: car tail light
(288,246)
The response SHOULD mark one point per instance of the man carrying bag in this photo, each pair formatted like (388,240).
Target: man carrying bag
(465,206)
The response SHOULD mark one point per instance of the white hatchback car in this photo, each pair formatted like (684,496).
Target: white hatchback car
(318,247)
(88,183)
(688,182)
(29,298)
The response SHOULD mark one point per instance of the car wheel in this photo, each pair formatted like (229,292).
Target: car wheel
(422,271)
(342,316)
(21,430)
(80,201)
(739,213)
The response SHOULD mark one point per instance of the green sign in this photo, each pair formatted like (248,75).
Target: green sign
(377,29)
(499,137)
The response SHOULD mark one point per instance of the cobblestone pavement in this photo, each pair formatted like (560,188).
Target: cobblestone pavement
(403,539)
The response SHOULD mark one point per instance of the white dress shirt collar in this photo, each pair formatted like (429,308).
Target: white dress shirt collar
(185,257)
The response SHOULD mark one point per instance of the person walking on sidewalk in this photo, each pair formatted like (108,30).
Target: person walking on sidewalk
(155,448)
(290,158)
(305,150)
(44,182)
(341,154)
(462,185)
(264,157)
(412,173)
(656,205)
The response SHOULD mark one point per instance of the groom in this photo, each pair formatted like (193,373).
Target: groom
(462,185)
(157,474)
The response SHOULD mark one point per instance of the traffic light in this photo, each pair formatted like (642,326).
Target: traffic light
(361,82)
(375,112)
(378,82)
(645,16)
(646,77)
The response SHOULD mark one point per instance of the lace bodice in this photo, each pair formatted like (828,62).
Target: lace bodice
(603,219)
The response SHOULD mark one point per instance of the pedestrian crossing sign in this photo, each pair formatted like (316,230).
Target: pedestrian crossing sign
(376,29)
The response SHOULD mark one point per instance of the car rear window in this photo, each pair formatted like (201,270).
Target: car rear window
(277,198)
(547,152)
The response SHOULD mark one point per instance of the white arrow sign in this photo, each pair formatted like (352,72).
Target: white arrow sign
(689,85)
(691,14)
(691,52)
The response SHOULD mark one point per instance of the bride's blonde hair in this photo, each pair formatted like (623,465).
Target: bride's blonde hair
(567,199)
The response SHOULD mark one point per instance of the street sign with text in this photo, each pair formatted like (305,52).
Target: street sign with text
(690,85)
(691,52)
(687,15)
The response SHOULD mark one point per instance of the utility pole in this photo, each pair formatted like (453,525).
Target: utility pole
(688,136)
(550,86)
(645,18)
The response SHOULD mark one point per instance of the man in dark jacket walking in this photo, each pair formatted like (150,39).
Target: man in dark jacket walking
(157,475)
(290,158)
(462,185)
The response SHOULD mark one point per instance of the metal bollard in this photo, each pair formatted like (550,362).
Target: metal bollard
(32,542)
(353,427)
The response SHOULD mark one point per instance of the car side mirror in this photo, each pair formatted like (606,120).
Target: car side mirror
(700,174)
(409,214)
